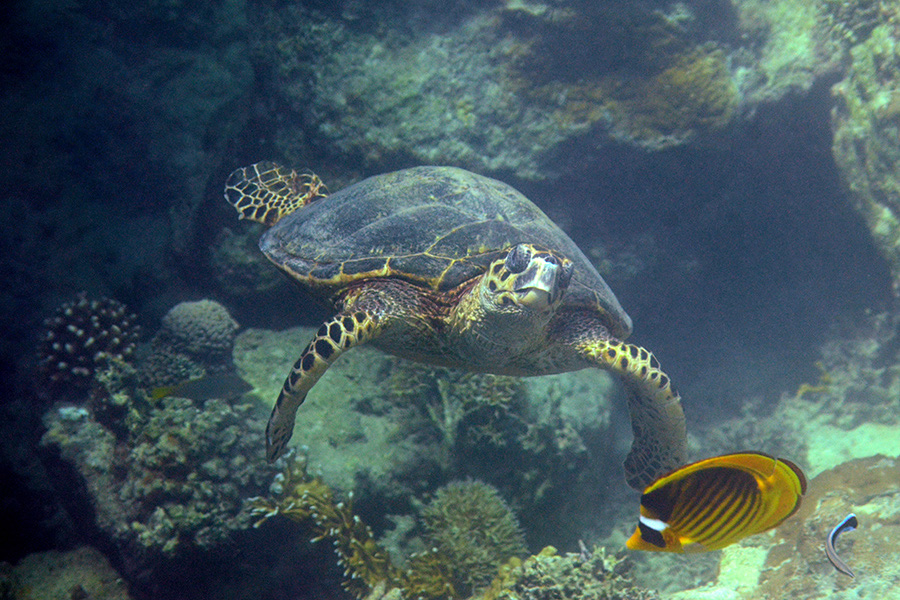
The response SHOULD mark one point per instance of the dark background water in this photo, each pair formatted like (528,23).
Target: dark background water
(736,259)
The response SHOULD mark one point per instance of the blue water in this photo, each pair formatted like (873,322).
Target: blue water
(712,203)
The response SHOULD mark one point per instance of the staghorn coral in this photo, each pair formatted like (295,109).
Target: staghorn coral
(196,339)
(84,336)
(469,523)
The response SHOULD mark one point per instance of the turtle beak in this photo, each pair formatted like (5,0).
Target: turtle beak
(542,284)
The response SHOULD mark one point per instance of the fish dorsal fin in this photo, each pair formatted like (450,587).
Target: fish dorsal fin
(265,192)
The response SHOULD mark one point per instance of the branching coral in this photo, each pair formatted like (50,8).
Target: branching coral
(83,336)
(449,397)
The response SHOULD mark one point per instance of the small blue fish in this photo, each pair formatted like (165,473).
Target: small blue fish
(848,524)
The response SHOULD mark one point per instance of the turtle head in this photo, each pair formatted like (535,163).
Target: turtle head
(529,278)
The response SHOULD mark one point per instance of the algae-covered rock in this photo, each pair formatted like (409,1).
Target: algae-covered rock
(866,122)
(83,573)
(510,100)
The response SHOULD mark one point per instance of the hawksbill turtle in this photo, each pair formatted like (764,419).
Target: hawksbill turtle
(443,266)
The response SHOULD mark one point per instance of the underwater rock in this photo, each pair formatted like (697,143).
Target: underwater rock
(531,82)
(84,336)
(241,270)
(502,104)
(866,123)
(174,484)
(196,339)
(80,574)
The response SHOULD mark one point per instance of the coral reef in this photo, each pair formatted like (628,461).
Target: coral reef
(460,511)
(174,481)
(450,397)
(196,339)
(583,576)
(82,337)
(301,498)
(474,531)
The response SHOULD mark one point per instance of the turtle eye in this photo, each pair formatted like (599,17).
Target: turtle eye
(565,275)
(518,258)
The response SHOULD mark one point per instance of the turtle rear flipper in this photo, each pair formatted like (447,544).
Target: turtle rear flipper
(657,419)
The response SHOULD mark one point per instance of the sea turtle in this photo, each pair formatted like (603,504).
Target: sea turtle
(440,265)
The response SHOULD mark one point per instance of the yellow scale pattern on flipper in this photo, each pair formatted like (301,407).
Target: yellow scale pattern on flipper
(265,192)
(657,418)
(334,337)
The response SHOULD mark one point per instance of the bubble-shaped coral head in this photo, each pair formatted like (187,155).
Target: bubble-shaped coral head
(201,328)
(84,335)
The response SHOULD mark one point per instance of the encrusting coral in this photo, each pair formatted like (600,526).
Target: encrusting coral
(83,336)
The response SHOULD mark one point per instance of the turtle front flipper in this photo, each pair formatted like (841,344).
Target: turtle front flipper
(657,419)
(335,336)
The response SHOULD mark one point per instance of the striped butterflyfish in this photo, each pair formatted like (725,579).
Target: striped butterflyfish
(715,502)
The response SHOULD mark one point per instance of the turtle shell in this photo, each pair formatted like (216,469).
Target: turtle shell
(436,227)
